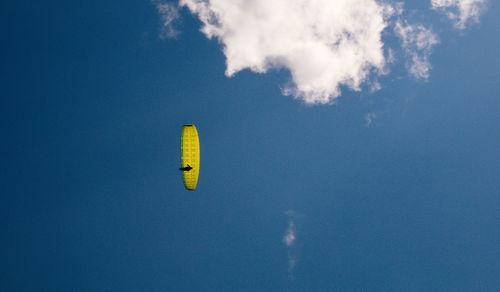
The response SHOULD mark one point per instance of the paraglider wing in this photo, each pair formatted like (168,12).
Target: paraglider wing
(190,156)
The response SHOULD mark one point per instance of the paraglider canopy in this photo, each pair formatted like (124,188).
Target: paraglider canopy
(190,156)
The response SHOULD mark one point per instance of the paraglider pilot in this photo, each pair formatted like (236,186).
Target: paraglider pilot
(187,168)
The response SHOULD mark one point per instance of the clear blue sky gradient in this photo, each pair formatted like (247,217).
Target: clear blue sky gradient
(91,198)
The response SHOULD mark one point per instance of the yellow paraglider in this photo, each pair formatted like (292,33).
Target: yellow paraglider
(190,156)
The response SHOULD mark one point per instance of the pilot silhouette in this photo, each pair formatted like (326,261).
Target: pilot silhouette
(187,168)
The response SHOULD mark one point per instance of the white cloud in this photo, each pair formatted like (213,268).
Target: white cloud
(324,44)
(375,86)
(369,118)
(417,42)
(460,11)
(289,237)
(327,46)
(169,14)
(289,240)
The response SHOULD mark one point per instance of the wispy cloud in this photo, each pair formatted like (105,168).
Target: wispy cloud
(461,12)
(289,240)
(417,42)
(289,237)
(369,118)
(169,15)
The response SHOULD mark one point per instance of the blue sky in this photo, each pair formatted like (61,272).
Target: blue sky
(393,189)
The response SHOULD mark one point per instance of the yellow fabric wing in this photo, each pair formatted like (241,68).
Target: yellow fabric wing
(190,155)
